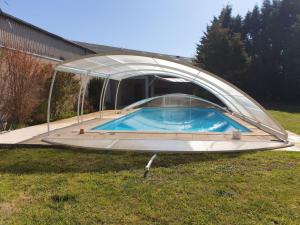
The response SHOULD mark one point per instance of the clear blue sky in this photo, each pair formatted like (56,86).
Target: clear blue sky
(164,26)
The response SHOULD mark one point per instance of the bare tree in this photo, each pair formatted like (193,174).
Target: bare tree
(22,79)
(2,77)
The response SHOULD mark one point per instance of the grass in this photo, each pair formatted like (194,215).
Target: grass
(288,116)
(54,186)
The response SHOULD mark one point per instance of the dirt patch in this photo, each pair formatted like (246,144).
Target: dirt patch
(7,208)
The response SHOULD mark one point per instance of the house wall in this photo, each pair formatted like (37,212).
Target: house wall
(20,35)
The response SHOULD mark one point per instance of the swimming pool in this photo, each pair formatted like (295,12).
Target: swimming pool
(179,119)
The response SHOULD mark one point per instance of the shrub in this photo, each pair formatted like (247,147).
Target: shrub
(64,98)
(94,90)
(21,84)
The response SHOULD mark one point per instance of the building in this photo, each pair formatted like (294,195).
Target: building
(17,34)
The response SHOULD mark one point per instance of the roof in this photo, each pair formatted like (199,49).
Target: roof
(90,47)
(105,48)
(121,65)
(44,31)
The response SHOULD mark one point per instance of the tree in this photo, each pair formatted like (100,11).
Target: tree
(221,51)
(290,14)
(251,32)
(270,40)
(260,52)
(23,76)
(2,77)
(252,37)
(94,89)
(225,18)
(64,96)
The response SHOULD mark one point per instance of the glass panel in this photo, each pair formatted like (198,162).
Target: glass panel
(124,66)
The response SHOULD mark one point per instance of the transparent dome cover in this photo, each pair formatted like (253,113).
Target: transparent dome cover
(120,65)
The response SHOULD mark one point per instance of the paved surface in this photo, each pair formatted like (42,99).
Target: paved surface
(295,139)
(153,145)
(104,140)
(23,134)
(143,141)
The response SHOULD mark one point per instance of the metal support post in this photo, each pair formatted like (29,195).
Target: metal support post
(148,166)
(104,95)
(49,102)
(146,87)
(85,83)
(116,98)
(101,95)
(78,101)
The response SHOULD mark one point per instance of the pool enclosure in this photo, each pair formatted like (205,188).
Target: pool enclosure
(265,132)
(119,66)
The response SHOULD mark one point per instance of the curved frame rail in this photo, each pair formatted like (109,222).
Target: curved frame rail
(49,102)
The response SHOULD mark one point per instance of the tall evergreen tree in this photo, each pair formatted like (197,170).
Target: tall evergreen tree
(268,38)
(272,49)
(290,18)
(221,51)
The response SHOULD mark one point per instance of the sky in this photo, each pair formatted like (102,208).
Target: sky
(163,26)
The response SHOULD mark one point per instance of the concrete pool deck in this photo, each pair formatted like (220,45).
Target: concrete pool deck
(66,132)
(26,134)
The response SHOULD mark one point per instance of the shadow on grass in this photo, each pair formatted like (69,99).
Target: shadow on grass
(39,161)
(282,107)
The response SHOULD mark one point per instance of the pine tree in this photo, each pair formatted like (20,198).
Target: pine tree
(221,50)
(290,18)
(260,52)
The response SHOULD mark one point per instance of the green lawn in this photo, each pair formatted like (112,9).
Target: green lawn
(288,116)
(54,186)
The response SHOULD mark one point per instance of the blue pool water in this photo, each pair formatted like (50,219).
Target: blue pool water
(191,119)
